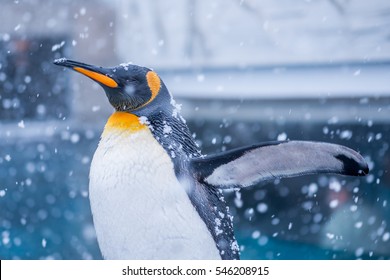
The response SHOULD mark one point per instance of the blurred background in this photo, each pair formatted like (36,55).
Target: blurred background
(245,71)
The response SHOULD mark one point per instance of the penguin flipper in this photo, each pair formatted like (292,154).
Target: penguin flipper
(247,166)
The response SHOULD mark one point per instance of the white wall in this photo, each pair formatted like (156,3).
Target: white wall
(180,33)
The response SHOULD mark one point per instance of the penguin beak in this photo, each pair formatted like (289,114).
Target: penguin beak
(98,74)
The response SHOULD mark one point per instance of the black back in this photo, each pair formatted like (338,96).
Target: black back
(171,131)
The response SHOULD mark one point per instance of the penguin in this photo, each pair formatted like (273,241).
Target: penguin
(154,195)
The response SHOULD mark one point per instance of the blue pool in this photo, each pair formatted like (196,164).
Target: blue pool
(45,210)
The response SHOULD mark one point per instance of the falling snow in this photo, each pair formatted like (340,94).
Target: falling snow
(237,200)
(386,236)
(232,96)
(359,252)
(75,138)
(358,224)
(255,234)
(334,203)
(126,65)
(2,193)
(144,120)
(282,137)
(176,108)
(330,235)
(335,185)
(262,207)
(346,134)
(57,46)
(167,129)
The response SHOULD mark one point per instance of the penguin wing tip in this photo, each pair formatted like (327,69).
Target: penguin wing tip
(354,167)
(364,170)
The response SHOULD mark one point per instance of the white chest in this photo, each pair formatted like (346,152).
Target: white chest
(140,210)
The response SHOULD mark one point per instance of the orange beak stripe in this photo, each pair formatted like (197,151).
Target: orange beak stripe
(97,77)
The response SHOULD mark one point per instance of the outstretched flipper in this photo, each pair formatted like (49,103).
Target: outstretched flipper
(247,166)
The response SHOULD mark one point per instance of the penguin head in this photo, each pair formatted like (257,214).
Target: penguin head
(128,87)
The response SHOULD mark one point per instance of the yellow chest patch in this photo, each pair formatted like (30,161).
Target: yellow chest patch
(124,121)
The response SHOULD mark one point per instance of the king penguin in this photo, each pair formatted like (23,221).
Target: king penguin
(154,195)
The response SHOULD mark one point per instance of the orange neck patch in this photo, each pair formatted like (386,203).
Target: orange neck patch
(154,84)
(124,121)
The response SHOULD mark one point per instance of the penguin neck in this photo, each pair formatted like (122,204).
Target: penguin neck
(171,131)
(123,121)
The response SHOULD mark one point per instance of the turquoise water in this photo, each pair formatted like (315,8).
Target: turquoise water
(45,207)
(277,249)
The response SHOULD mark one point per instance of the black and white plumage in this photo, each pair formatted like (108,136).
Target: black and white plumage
(155,196)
